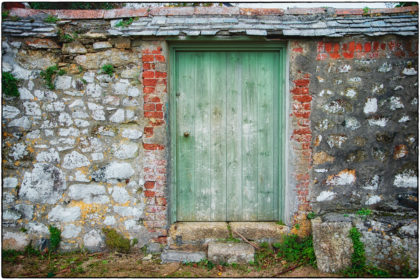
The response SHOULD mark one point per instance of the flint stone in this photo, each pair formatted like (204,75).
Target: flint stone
(101,45)
(75,160)
(11,214)
(94,241)
(332,244)
(124,211)
(61,214)
(131,133)
(125,150)
(169,256)
(10,182)
(26,210)
(50,156)
(45,184)
(221,252)
(92,193)
(71,231)
(14,241)
(45,95)
(63,82)
(9,112)
(23,122)
(120,195)
(25,94)
(118,116)
(38,228)
(118,170)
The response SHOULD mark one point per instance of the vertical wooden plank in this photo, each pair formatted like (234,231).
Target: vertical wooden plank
(217,136)
(249,139)
(185,150)
(265,87)
(202,137)
(234,136)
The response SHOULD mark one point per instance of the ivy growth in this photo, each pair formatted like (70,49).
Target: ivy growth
(358,259)
(49,74)
(9,84)
(108,69)
(55,237)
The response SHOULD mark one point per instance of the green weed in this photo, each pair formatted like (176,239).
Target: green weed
(358,259)
(297,250)
(364,212)
(51,19)
(311,215)
(280,222)
(49,75)
(125,23)
(297,226)
(116,241)
(365,10)
(4,14)
(55,237)
(108,69)
(9,84)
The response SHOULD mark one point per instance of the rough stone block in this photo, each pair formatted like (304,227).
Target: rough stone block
(221,252)
(332,244)
(181,256)
(264,231)
(198,231)
(14,240)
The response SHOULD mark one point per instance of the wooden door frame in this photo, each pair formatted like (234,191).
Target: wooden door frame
(226,46)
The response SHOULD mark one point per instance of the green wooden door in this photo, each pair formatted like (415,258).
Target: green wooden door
(228,145)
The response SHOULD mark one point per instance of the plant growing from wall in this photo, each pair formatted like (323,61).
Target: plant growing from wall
(55,237)
(51,19)
(116,241)
(9,84)
(49,75)
(125,22)
(358,259)
(108,69)
(297,250)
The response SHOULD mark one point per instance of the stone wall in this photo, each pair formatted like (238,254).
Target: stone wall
(355,103)
(89,153)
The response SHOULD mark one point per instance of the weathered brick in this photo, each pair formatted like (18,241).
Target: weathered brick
(149,185)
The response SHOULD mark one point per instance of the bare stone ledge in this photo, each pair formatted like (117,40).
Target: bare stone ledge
(260,231)
(198,231)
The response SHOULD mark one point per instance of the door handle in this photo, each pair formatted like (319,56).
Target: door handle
(186,133)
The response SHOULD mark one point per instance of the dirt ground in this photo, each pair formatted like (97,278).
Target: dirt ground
(138,265)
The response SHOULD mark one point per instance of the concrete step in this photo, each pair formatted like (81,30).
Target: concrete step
(260,231)
(229,252)
(197,232)
(203,232)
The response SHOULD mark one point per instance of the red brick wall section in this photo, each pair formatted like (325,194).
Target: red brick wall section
(154,154)
(368,50)
(302,135)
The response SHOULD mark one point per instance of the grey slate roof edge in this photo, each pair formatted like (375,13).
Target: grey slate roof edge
(188,11)
(288,25)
